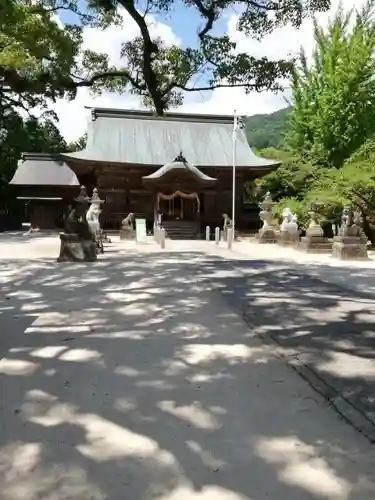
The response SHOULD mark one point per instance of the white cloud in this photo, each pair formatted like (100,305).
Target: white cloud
(281,43)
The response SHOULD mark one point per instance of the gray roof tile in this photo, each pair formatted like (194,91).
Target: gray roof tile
(138,137)
(43,170)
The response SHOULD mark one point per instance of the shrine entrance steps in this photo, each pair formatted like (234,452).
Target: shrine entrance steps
(180,229)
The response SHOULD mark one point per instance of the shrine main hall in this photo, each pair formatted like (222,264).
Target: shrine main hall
(179,165)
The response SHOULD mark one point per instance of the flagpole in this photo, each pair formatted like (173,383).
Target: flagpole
(234,173)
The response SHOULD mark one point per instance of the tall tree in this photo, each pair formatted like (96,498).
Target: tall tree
(334,96)
(41,58)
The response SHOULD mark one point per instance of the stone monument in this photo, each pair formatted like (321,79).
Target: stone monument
(289,234)
(350,244)
(92,218)
(267,233)
(127,231)
(227,224)
(77,244)
(315,241)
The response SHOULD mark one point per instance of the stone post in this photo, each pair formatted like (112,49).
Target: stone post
(217,235)
(267,233)
(162,238)
(207,233)
(230,237)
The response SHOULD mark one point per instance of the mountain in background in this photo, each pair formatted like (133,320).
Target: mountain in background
(265,131)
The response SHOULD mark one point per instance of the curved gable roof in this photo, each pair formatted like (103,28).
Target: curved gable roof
(179,163)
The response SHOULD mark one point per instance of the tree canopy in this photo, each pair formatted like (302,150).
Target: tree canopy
(330,134)
(41,58)
(333,101)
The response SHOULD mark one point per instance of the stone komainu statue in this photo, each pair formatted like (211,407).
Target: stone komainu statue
(227,224)
(127,229)
(128,221)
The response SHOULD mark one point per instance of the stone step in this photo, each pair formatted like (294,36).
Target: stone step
(183,230)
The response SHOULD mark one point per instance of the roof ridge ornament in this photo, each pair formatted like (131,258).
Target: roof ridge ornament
(180,159)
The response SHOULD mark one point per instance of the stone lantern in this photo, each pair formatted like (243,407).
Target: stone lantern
(77,244)
(267,233)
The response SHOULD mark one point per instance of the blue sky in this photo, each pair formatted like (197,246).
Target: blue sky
(185,22)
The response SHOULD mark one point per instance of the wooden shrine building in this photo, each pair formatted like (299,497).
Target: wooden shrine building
(179,165)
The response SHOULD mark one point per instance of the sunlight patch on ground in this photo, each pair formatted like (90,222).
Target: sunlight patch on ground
(348,365)
(48,352)
(17,367)
(105,440)
(301,466)
(191,331)
(202,353)
(207,458)
(80,355)
(24,476)
(138,309)
(76,329)
(125,334)
(128,297)
(194,414)
(206,493)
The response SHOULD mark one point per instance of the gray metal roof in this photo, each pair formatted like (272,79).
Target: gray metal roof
(43,170)
(138,137)
(179,165)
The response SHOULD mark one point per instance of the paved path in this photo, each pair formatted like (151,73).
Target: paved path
(131,379)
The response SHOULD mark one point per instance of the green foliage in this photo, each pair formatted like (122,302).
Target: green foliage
(265,131)
(353,184)
(334,98)
(18,136)
(297,206)
(292,179)
(42,59)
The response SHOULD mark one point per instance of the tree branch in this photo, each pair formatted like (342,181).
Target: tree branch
(210,87)
(210,13)
(150,50)
(108,74)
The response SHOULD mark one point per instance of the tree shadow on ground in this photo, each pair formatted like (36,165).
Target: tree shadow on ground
(328,327)
(130,378)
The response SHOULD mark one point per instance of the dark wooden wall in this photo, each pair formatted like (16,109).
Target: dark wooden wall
(125,191)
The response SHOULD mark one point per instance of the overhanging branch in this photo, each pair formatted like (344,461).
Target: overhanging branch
(108,75)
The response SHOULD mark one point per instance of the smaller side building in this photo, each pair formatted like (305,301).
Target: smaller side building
(45,185)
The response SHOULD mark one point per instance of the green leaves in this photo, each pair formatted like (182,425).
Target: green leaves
(42,59)
(334,96)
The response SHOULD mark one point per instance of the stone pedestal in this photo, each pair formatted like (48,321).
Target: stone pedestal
(287,238)
(349,248)
(75,249)
(315,244)
(127,234)
(267,235)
